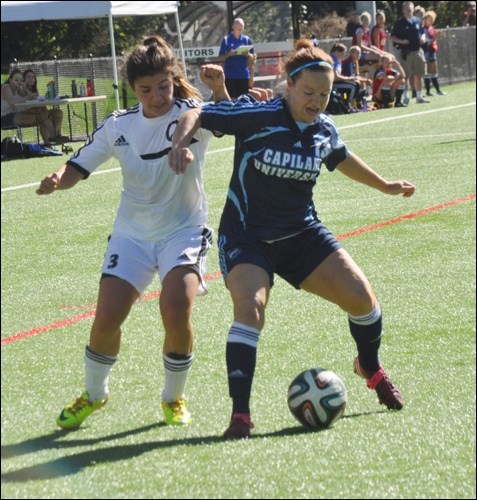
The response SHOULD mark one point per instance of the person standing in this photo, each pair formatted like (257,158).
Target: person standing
(407,35)
(270,225)
(237,62)
(430,53)
(160,227)
(378,33)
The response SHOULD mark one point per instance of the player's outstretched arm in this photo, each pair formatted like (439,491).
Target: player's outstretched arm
(64,178)
(355,168)
(180,155)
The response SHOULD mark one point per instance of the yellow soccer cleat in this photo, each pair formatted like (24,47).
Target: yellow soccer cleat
(176,413)
(74,414)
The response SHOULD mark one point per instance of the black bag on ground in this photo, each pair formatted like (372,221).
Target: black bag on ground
(337,105)
(12,148)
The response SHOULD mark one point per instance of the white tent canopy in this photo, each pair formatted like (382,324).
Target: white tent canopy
(30,10)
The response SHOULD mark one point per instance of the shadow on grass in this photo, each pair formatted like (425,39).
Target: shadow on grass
(72,464)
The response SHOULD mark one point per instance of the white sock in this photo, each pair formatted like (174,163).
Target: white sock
(97,370)
(176,370)
(418,94)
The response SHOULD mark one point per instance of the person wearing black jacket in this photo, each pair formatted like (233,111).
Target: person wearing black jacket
(407,35)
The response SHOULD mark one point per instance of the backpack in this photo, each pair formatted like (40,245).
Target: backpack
(12,148)
(337,105)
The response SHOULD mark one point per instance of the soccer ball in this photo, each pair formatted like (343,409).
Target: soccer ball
(317,398)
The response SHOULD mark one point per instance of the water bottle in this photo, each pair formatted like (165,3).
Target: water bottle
(82,90)
(51,90)
(74,89)
(89,87)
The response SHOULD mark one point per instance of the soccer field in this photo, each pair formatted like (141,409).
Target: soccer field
(419,255)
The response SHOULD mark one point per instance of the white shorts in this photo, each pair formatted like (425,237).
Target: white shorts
(137,261)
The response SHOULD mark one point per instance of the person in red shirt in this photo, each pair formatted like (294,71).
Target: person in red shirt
(362,38)
(389,83)
(378,33)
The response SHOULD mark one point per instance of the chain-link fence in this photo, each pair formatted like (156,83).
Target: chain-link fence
(456,56)
(75,78)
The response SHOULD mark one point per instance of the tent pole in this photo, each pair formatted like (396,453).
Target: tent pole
(113,53)
(179,36)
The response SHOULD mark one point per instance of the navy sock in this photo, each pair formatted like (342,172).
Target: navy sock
(366,331)
(241,356)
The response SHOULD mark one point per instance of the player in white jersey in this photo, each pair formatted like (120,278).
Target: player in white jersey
(270,224)
(160,227)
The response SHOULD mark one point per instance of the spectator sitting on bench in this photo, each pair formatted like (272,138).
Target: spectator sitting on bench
(389,83)
(55,114)
(13,92)
(347,86)
(350,67)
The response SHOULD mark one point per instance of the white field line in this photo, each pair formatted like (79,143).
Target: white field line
(345,127)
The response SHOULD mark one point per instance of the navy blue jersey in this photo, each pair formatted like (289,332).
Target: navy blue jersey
(276,164)
(408,30)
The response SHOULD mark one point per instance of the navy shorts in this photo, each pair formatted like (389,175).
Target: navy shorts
(293,259)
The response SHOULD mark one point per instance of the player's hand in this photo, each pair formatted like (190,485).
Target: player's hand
(179,158)
(403,187)
(49,184)
(212,75)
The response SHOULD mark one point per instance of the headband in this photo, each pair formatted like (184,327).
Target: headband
(313,63)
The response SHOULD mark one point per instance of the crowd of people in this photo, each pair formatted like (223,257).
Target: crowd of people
(395,78)
(366,76)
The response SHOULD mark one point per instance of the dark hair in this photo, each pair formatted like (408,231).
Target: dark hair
(305,52)
(11,75)
(34,87)
(154,56)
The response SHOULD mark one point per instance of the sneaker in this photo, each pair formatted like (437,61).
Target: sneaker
(421,100)
(239,427)
(400,105)
(430,94)
(74,414)
(441,92)
(176,413)
(405,100)
(388,394)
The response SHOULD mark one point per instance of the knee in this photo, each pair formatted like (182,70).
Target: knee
(106,322)
(175,313)
(250,311)
(363,303)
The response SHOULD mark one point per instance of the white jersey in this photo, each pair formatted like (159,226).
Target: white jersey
(155,202)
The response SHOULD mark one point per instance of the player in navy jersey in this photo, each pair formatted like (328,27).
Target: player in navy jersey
(270,224)
(160,227)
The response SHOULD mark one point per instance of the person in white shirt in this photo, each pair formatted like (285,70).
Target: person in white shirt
(160,227)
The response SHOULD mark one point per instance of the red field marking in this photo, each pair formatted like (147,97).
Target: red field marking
(406,217)
(209,277)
